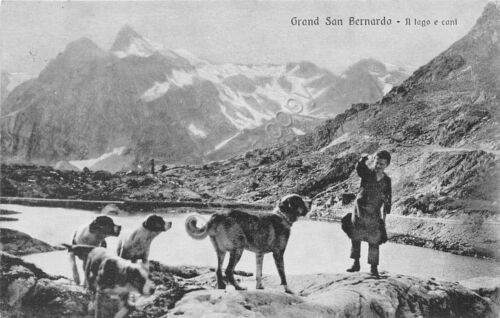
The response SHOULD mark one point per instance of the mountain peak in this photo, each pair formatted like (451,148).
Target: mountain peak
(83,49)
(129,42)
(124,37)
(490,15)
(82,44)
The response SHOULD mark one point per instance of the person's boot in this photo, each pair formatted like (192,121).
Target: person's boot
(374,271)
(355,267)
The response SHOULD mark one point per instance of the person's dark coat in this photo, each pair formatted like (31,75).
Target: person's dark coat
(366,224)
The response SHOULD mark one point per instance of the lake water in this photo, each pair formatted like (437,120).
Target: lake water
(314,247)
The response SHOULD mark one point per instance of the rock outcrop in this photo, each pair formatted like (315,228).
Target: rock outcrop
(19,243)
(26,291)
(341,295)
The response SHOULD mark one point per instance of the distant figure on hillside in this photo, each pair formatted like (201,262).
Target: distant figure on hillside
(367,223)
(152,162)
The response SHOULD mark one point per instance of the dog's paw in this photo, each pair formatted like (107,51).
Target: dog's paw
(259,287)
(91,308)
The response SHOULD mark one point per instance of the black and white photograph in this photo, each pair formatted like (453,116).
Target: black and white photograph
(206,159)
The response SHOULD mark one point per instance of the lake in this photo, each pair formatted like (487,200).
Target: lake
(314,247)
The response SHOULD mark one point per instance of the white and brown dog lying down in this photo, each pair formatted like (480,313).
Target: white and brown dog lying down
(137,244)
(108,273)
(261,233)
(93,234)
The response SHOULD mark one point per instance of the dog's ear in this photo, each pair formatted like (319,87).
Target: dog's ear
(137,277)
(93,227)
(107,273)
(285,206)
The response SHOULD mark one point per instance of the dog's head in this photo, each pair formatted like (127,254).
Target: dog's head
(116,275)
(293,205)
(156,223)
(103,224)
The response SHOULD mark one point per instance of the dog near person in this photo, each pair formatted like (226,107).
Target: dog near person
(93,234)
(108,273)
(261,233)
(137,244)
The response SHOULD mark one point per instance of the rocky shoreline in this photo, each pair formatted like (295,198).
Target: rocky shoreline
(27,291)
(460,238)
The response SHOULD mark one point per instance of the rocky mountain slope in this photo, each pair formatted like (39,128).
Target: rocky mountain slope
(140,101)
(9,81)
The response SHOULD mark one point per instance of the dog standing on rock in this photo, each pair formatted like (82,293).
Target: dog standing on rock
(93,234)
(110,274)
(137,244)
(261,233)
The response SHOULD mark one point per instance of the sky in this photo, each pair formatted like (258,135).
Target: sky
(247,32)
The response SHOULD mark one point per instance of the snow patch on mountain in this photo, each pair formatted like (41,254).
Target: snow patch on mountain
(155,92)
(80,164)
(139,47)
(336,141)
(386,86)
(239,121)
(298,131)
(407,69)
(223,143)
(177,78)
(193,59)
(181,78)
(197,131)
(235,99)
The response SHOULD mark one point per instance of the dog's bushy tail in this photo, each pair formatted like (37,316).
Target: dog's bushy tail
(81,251)
(198,233)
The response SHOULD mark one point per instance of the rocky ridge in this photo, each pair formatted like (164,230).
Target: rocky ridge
(18,243)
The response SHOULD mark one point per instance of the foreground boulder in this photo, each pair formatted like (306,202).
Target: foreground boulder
(340,295)
(27,291)
(488,287)
(19,243)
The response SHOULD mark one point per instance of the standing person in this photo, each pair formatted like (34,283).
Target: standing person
(152,162)
(368,224)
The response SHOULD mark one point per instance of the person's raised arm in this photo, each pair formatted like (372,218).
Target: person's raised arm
(361,168)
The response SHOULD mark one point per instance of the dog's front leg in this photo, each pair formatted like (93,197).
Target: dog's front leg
(145,259)
(98,304)
(280,265)
(260,260)
(74,268)
(124,306)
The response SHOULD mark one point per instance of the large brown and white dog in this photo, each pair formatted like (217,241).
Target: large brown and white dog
(261,233)
(93,234)
(137,244)
(108,273)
